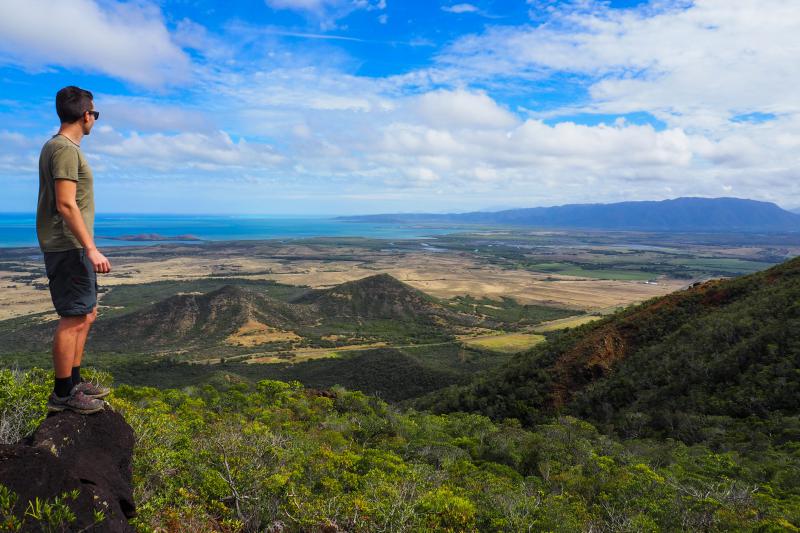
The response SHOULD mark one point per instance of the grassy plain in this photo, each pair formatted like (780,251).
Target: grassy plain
(507,343)
(563,323)
(579,271)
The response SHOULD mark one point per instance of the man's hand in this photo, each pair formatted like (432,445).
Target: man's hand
(99,261)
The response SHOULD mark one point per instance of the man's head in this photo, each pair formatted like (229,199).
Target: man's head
(73,105)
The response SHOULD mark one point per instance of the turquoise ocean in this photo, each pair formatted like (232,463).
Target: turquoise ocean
(19,230)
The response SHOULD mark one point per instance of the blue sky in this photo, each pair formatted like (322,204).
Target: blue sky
(366,106)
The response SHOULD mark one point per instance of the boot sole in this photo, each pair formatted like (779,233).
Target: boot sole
(97,396)
(59,408)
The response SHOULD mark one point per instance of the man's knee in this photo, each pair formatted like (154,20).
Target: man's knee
(78,321)
(89,319)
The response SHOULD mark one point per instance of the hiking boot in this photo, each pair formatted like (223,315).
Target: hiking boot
(91,390)
(77,401)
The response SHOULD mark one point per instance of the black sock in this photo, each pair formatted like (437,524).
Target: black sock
(63,386)
(76,375)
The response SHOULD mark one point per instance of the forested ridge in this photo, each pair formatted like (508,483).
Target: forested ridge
(689,365)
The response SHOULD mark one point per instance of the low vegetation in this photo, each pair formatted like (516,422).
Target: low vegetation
(275,456)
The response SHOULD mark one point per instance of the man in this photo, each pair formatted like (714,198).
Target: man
(65,228)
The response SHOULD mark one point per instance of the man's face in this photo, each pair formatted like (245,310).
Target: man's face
(88,120)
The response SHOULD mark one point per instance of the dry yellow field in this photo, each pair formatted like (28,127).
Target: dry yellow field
(19,299)
(439,274)
(254,333)
(507,343)
(562,323)
(306,354)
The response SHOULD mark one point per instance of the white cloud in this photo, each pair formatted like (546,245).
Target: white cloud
(18,154)
(461,108)
(128,41)
(207,152)
(297,90)
(534,154)
(191,35)
(150,115)
(693,65)
(326,12)
(460,8)
(336,128)
(458,145)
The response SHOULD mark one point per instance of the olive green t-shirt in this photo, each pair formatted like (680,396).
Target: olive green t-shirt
(62,159)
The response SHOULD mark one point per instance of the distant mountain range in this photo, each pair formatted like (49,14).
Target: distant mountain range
(680,214)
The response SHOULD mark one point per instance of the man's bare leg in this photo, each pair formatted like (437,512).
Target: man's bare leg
(80,340)
(64,342)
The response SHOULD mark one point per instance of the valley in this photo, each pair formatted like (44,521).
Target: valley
(580,270)
(315,309)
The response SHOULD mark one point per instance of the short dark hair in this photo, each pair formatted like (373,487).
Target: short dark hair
(72,102)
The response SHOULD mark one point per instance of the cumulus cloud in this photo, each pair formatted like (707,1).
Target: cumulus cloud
(460,144)
(215,151)
(128,41)
(460,8)
(534,154)
(461,108)
(690,64)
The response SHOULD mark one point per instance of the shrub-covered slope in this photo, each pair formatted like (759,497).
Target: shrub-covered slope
(277,457)
(725,348)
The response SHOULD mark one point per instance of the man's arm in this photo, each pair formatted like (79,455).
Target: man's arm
(67,207)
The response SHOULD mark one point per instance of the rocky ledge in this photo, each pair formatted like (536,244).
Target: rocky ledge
(69,451)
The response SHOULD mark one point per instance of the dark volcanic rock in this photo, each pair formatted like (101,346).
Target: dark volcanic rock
(70,451)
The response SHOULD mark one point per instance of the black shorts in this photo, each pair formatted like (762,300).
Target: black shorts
(72,281)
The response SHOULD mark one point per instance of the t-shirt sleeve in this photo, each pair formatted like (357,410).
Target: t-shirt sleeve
(64,164)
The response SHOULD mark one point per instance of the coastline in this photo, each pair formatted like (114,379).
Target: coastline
(18,230)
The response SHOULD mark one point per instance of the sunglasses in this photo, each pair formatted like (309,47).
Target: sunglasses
(95,114)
